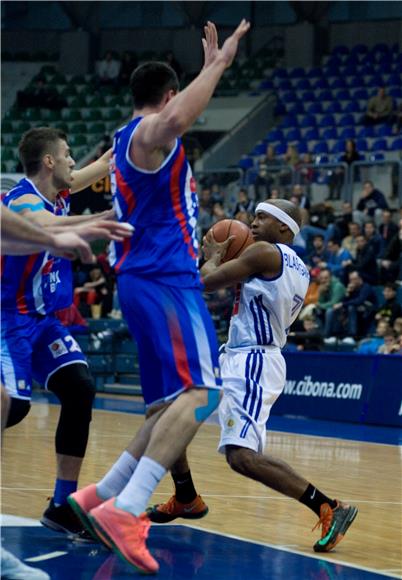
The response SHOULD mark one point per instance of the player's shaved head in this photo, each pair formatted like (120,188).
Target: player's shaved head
(288,207)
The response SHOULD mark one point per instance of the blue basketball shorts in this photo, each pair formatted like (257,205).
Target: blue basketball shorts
(175,337)
(34,347)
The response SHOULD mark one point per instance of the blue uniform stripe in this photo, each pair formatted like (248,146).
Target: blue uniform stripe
(266,311)
(255,377)
(257,331)
(261,320)
(245,428)
(247,375)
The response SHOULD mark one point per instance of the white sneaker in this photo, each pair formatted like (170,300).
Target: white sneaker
(14,569)
(348,340)
(330,340)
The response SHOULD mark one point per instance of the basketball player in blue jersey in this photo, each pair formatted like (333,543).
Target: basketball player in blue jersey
(271,283)
(160,292)
(34,343)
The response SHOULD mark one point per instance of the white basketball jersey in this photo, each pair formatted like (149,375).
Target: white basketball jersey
(265,308)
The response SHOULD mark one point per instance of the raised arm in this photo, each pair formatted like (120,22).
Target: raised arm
(96,170)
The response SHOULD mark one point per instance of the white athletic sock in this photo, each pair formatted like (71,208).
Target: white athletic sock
(117,477)
(135,496)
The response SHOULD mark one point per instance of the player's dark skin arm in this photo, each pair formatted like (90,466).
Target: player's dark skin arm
(259,258)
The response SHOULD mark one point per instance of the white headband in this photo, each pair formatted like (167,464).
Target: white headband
(280,215)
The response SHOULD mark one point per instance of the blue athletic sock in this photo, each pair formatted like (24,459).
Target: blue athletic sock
(62,490)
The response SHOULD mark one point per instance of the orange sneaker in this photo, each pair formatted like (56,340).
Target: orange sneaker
(126,534)
(162,513)
(334,524)
(82,501)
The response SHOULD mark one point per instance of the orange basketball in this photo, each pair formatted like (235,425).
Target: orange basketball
(223,229)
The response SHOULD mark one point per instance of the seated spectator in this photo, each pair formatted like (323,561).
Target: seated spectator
(391,263)
(387,228)
(108,70)
(40,95)
(338,259)
(398,119)
(217,194)
(96,293)
(174,63)
(370,205)
(262,183)
(299,192)
(72,318)
(311,298)
(337,177)
(292,160)
(129,62)
(391,344)
(379,109)
(218,213)
(372,344)
(365,262)
(373,238)
(243,216)
(270,157)
(330,292)
(275,193)
(342,220)
(244,203)
(391,309)
(397,326)
(310,338)
(319,253)
(220,304)
(349,242)
(352,315)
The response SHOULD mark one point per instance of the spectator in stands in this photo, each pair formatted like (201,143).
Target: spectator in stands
(353,314)
(270,158)
(398,119)
(310,338)
(365,262)
(71,317)
(372,344)
(342,221)
(387,228)
(299,192)
(350,242)
(292,160)
(330,292)
(108,70)
(262,183)
(311,298)
(337,177)
(218,212)
(379,109)
(338,259)
(243,202)
(306,174)
(220,305)
(217,194)
(391,263)
(174,63)
(391,309)
(275,193)
(319,253)
(41,96)
(96,292)
(373,238)
(129,62)
(391,344)
(370,205)
(397,326)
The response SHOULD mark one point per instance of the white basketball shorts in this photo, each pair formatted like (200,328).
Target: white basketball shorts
(252,381)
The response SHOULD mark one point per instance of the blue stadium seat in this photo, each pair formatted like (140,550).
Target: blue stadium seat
(352,107)
(266,85)
(396,144)
(355,82)
(280,73)
(366,132)
(275,135)
(314,109)
(302,147)
(285,85)
(281,148)
(346,120)
(308,121)
(312,134)
(308,96)
(303,85)
(245,163)
(327,121)
(395,92)
(361,145)
(289,121)
(360,94)
(320,83)
(342,95)
(334,107)
(329,133)
(377,156)
(348,133)
(325,95)
(314,73)
(379,145)
(259,149)
(289,97)
(394,79)
(334,62)
(296,73)
(383,131)
(350,70)
(293,135)
(320,148)
(338,83)
(375,81)
(339,147)
(296,108)
(319,160)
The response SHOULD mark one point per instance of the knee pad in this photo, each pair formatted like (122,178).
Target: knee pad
(19,409)
(74,387)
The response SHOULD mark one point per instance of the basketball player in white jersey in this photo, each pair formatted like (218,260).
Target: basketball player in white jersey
(271,282)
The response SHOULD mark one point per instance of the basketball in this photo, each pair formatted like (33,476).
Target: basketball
(223,229)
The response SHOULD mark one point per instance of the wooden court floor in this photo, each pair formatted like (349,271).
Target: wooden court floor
(366,474)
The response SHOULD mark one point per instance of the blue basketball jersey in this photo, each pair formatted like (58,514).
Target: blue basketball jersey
(38,283)
(162,205)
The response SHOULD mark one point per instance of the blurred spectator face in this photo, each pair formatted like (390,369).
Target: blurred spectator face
(262,170)
(95,274)
(369,229)
(242,216)
(218,211)
(367,188)
(308,324)
(382,328)
(318,242)
(354,229)
(332,247)
(381,92)
(386,217)
(297,190)
(270,152)
(205,196)
(295,199)
(347,207)
(307,158)
(274,194)
(389,293)
(361,242)
(350,146)
(355,280)
(398,325)
(243,197)
(324,278)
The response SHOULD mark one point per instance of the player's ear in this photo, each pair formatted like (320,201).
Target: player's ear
(48,161)
(169,95)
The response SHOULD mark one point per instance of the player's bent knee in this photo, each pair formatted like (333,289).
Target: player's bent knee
(240,459)
(19,409)
(74,387)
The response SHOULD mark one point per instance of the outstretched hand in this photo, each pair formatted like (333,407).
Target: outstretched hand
(229,48)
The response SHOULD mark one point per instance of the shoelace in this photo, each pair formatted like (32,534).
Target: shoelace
(170,505)
(324,521)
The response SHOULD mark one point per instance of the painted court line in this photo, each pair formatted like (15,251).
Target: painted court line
(48,556)
(292,551)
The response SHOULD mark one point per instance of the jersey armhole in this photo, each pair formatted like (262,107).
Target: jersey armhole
(146,171)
